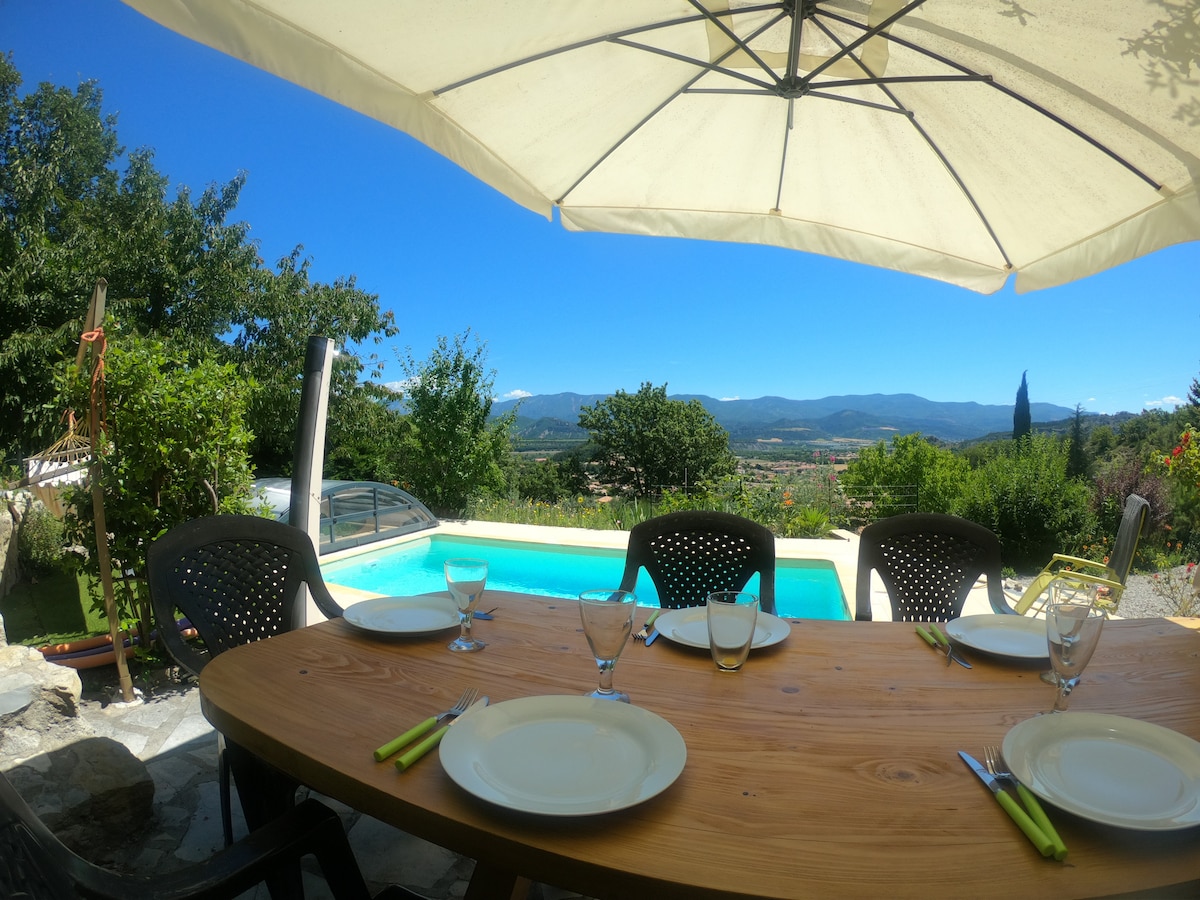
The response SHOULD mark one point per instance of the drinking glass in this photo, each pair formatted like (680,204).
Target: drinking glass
(607,623)
(732,616)
(1072,631)
(465,578)
(1062,590)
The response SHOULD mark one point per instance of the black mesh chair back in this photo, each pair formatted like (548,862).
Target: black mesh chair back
(237,579)
(36,864)
(928,562)
(690,554)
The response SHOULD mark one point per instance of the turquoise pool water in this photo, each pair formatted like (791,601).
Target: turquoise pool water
(804,588)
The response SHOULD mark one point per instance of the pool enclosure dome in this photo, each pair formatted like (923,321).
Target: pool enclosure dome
(353,512)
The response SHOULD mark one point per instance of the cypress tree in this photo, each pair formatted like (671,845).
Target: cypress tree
(1077,458)
(1022,419)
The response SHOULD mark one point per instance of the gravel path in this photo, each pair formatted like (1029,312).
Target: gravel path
(1139,601)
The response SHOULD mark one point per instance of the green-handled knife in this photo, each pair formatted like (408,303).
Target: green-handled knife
(1044,845)
(407,759)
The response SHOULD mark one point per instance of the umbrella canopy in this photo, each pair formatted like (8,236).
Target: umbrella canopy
(963,140)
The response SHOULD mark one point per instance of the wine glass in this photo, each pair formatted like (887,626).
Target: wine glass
(1072,631)
(465,578)
(607,623)
(1064,590)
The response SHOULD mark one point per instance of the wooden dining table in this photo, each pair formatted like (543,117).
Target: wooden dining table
(826,767)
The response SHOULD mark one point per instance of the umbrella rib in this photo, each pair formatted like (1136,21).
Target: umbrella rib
(925,136)
(869,32)
(903,79)
(991,82)
(699,64)
(599,39)
(738,42)
(855,101)
(706,67)
(907,79)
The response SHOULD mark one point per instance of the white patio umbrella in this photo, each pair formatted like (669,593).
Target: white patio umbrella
(963,140)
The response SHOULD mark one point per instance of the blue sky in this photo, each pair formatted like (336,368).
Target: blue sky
(593,313)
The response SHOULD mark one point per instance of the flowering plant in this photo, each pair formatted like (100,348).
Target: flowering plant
(1178,585)
(1184,459)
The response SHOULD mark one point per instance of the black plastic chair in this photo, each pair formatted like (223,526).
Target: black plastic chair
(690,554)
(928,562)
(36,864)
(236,579)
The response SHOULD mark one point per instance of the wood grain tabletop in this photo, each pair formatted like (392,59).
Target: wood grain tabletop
(827,767)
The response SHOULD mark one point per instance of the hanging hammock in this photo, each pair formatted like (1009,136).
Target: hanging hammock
(64,461)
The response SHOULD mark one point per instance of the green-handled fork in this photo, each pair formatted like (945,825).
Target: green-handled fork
(645,632)
(467,698)
(994,761)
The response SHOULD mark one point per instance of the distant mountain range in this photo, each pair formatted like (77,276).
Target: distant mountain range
(777,420)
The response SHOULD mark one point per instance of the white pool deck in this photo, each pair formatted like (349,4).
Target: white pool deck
(841,549)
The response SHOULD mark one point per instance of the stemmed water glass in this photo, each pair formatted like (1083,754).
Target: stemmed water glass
(465,578)
(1072,632)
(607,623)
(1064,590)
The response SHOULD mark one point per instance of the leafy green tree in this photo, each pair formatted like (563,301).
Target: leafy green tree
(572,471)
(541,480)
(272,327)
(175,448)
(936,474)
(1193,397)
(47,201)
(452,452)
(648,443)
(1023,494)
(1022,418)
(1101,441)
(361,439)
(1078,463)
(176,268)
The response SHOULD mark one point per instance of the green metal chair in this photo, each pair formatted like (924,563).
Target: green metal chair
(1109,575)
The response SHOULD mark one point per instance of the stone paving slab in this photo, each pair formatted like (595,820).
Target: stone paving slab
(167,731)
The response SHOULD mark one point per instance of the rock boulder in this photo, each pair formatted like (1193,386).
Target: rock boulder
(91,791)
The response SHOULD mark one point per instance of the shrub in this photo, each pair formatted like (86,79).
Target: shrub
(1024,495)
(40,541)
(938,476)
(176,448)
(1175,584)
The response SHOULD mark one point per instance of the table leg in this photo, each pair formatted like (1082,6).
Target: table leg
(265,794)
(493,883)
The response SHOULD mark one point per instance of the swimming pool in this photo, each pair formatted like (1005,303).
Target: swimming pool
(804,588)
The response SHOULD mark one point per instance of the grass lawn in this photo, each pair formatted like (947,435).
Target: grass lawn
(54,609)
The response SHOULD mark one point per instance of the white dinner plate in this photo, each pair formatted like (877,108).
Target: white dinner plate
(563,756)
(1109,769)
(403,615)
(1017,637)
(690,627)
